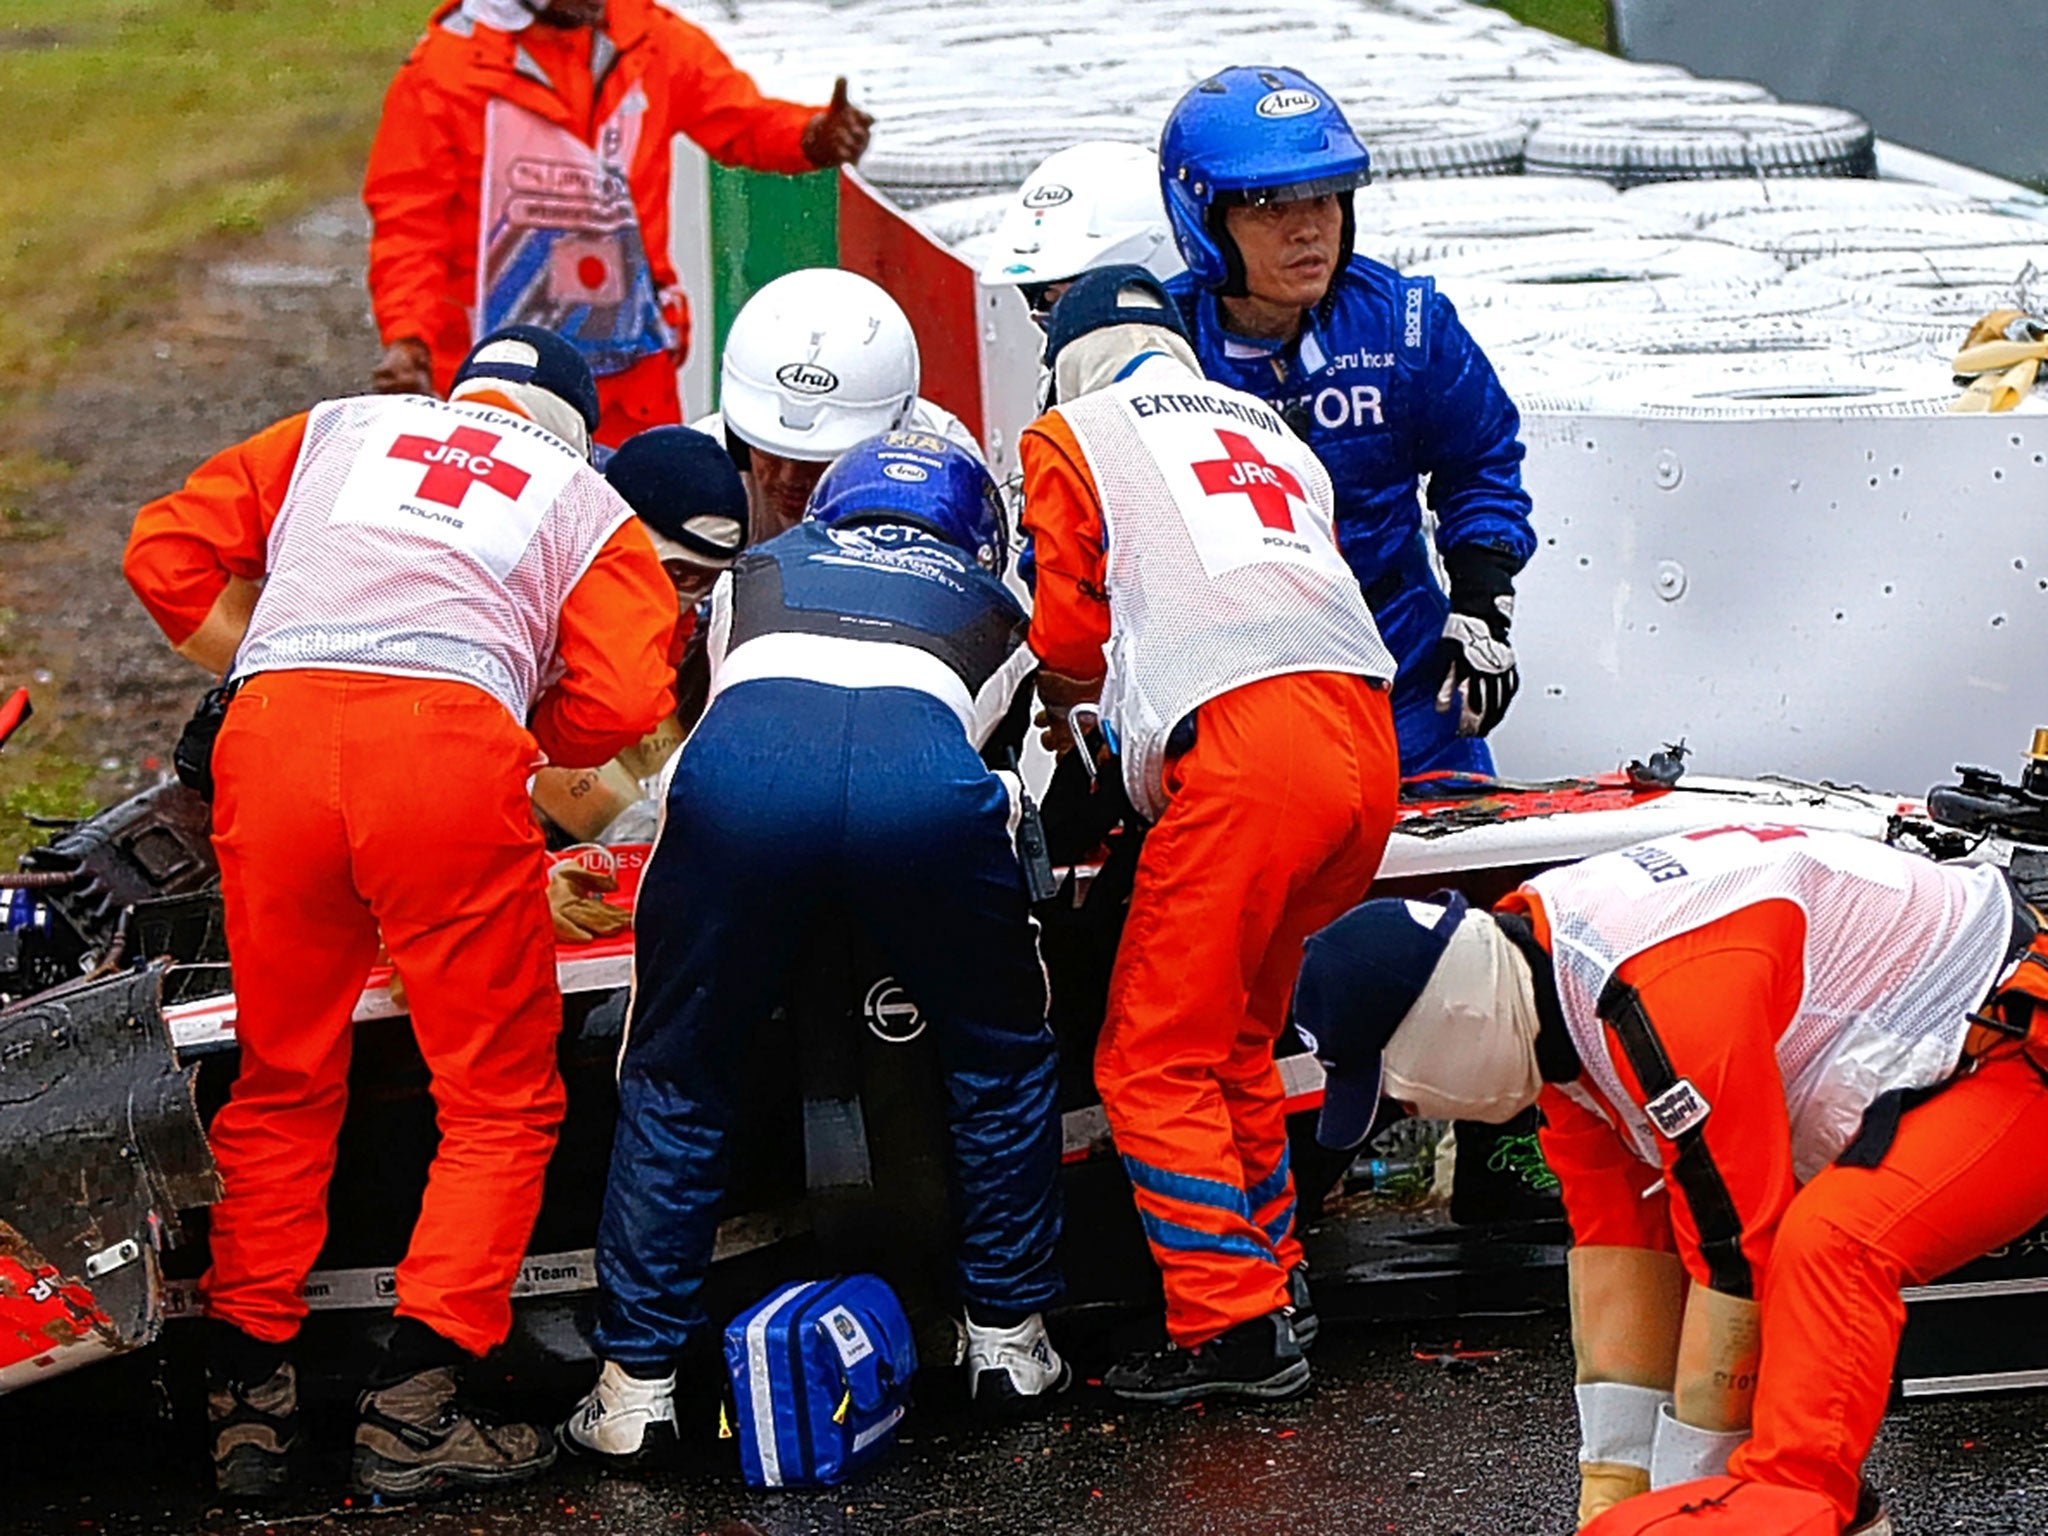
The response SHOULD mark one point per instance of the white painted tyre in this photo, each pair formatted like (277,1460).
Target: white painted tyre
(1665,143)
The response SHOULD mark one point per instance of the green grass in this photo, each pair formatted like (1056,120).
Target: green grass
(144,127)
(1583,21)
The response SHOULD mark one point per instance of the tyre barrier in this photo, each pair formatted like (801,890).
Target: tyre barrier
(1794,384)
(1704,141)
(1439,143)
(2016,267)
(1568,262)
(1385,204)
(1708,202)
(1799,236)
(1419,240)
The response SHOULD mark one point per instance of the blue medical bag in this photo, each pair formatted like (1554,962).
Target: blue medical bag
(820,1378)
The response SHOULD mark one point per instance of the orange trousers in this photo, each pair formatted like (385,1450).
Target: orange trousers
(350,804)
(1826,1261)
(1968,1173)
(1278,817)
(640,397)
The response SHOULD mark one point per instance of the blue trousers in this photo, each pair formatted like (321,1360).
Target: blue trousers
(1411,621)
(790,795)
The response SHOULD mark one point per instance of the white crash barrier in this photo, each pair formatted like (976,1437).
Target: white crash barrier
(1852,599)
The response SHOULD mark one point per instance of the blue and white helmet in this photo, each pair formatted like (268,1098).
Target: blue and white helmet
(1252,134)
(920,479)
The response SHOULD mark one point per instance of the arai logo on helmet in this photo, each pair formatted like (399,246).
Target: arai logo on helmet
(1050,195)
(1287,103)
(909,474)
(807,378)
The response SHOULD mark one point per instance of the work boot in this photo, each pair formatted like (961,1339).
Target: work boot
(1871,1519)
(1261,1358)
(1301,1306)
(1013,1368)
(416,1437)
(255,1425)
(623,1418)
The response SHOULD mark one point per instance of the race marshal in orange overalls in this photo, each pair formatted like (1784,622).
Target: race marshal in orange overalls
(1188,579)
(447,592)
(521,175)
(1783,1074)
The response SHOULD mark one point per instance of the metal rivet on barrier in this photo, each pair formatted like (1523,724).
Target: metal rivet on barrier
(1670,580)
(1669,471)
(107,1260)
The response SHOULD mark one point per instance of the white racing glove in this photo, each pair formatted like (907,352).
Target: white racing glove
(1480,678)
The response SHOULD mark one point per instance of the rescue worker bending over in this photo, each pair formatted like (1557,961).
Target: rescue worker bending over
(857,663)
(688,497)
(815,362)
(588,95)
(447,589)
(1754,1054)
(1374,369)
(1189,578)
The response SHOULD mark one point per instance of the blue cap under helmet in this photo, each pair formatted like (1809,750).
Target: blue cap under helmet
(921,479)
(1252,134)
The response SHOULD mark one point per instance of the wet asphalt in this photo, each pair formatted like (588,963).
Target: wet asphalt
(1393,1438)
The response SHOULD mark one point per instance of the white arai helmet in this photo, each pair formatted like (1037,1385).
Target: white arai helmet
(1090,205)
(815,362)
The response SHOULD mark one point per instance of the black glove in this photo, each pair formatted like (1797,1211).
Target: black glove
(1475,660)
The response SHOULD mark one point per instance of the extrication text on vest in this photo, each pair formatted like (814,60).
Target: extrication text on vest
(1208,405)
(1656,863)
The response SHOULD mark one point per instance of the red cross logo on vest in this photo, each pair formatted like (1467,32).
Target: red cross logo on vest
(1245,472)
(461,463)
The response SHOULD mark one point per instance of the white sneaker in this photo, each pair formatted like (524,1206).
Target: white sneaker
(1008,1367)
(622,1418)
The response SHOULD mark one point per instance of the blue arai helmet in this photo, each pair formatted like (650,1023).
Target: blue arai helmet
(1252,134)
(920,479)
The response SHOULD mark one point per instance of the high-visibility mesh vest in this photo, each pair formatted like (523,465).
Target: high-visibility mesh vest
(1899,950)
(1222,564)
(425,539)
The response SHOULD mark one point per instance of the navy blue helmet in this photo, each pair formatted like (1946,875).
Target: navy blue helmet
(917,478)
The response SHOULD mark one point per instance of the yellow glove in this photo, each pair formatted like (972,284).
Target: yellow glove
(575,901)
(1604,1484)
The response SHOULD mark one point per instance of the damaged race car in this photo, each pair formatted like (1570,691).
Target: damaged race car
(117,1043)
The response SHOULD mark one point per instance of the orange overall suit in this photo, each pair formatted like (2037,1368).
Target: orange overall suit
(1274,822)
(469,116)
(1826,1259)
(367,781)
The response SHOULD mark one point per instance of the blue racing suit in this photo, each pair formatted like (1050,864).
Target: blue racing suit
(1390,387)
(855,671)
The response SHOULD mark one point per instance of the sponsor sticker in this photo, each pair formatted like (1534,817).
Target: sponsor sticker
(1048,195)
(847,1336)
(807,378)
(1677,1109)
(1287,103)
(909,474)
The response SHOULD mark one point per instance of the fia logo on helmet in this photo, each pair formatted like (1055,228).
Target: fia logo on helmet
(1048,195)
(807,378)
(1287,103)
